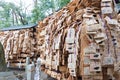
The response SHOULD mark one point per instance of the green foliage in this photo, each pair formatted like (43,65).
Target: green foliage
(11,14)
(44,8)
(37,14)
(63,3)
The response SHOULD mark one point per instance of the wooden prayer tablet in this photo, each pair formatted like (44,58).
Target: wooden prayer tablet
(86,60)
(91,22)
(72,58)
(91,32)
(72,65)
(118,18)
(106,3)
(54,74)
(94,27)
(111,21)
(108,61)
(100,36)
(89,50)
(117,66)
(97,77)
(95,56)
(70,35)
(87,15)
(70,48)
(86,71)
(99,41)
(95,67)
(106,0)
(57,41)
(106,10)
(72,72)
(59,76)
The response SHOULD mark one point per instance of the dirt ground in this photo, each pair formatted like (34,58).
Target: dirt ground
(19,74)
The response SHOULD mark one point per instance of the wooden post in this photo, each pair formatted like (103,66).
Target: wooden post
(19,64)
(27,63)
(38,62)
(8,64)
(39,66)
(30,72)
(38,70)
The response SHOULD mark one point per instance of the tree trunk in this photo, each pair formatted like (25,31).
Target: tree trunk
(2,59)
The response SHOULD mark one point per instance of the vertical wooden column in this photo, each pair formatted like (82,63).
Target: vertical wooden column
(30,72)
(27,63)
